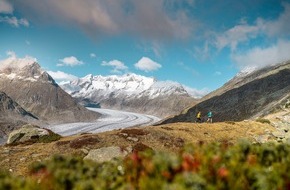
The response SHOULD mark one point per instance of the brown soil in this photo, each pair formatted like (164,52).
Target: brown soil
(169,137)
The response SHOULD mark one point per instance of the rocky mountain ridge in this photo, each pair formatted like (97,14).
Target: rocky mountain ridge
(130,92)
(36,91)
(250,96)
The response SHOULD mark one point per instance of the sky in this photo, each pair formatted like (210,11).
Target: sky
(201,44)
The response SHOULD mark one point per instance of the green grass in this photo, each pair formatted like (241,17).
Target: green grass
(261,120)
(49,138)
(207,166)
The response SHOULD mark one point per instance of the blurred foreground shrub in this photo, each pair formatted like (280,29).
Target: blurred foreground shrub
(211,166)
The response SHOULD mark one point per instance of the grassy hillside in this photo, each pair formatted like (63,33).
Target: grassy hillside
(177,156)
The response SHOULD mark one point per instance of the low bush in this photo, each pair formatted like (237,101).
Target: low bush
(206,166)
(261,120)
(84,141)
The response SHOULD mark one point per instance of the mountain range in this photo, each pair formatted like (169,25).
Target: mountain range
(36,92)
(247,96)
(130,92)
(29,94)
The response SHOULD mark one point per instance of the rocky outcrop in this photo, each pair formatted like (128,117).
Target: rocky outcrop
(27,133)
(105,154)
(251,99)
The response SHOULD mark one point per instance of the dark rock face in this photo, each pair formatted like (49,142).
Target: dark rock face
(12,115)
(8,107)
(258,97)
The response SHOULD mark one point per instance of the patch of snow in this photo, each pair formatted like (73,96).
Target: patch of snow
(11,76)
(165,88)
(196,93)
(246,71)
(30,79)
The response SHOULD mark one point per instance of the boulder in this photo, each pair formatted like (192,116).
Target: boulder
(107,153)
(26,133)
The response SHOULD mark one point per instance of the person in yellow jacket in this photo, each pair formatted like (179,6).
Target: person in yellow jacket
(198,117)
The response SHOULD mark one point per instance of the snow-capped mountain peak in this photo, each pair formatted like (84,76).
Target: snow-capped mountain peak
(130,92)
(129,85)
(165,88)
(13,64)
(25,69)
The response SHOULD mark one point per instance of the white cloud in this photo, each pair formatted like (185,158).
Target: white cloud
(61,76)
(261,57)
(146,64)
(195,92)
(149,19)
(92,55)
(15,63)
(235,35)
(117,65)
(13,21)
(243,32)
(5,7)
(69,61)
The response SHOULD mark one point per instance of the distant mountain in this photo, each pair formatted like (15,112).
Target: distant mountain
(130,92)
(36,91)
(12,115)
(247,96)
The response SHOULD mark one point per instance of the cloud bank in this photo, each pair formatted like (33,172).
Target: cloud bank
(259,57)
(149,19)
(275,30)
(5,7)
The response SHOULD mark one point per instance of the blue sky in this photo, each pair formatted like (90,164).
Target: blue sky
(199,43)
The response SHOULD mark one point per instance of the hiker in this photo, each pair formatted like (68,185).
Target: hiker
(209,117)
(198,117)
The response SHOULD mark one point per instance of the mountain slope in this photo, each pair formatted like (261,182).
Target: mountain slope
(130,92)
(35,90)
(12,115)
(244,97)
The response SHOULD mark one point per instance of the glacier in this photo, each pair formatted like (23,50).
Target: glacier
(110,120)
